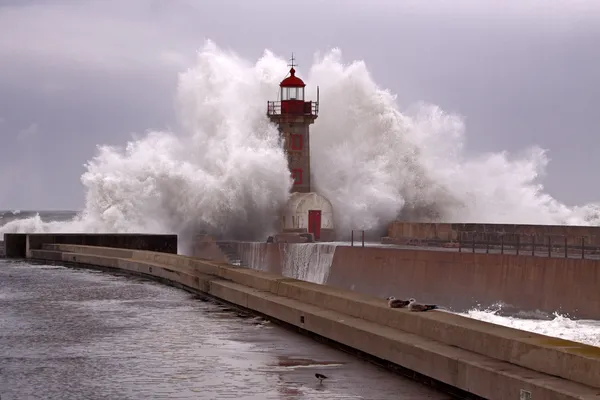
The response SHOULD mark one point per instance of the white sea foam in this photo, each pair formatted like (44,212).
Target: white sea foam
(222,171)
(559,326)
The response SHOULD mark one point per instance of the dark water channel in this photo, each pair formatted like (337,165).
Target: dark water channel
(80,334)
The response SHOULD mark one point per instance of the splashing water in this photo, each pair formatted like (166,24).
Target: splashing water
(308,261)
(224,173)
(559,326)
(257,258)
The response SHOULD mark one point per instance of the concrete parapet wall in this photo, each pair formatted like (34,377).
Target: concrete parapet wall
(498,342)
(15,245)
(464,280)
(207,246)
(34,241)
(459,281)
(488,360)
(399,231)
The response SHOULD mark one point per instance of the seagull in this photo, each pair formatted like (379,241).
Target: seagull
(320,377)
(414,306)
(396,303)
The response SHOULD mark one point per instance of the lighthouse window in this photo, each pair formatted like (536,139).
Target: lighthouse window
(296,141)
(297,175)
(292,93)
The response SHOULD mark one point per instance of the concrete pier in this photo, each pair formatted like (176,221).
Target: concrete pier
(459,281)
(400,232)
(487,360)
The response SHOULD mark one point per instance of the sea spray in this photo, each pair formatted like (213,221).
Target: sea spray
(558,325)
(223,172)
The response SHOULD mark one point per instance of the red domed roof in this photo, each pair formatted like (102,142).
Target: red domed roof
(292,80)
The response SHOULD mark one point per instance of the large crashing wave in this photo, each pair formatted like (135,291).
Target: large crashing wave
(224,173)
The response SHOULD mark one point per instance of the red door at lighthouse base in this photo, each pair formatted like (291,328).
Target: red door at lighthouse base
(314,223)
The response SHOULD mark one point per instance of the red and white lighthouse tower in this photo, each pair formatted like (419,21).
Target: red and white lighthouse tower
(306,211)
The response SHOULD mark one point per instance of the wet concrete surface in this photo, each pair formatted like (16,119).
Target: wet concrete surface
(80,334)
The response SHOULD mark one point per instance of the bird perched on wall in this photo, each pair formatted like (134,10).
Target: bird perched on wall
(396,303)
(320,377)
(414,306)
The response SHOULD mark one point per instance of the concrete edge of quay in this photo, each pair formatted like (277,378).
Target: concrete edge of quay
(311,310)
(204,296)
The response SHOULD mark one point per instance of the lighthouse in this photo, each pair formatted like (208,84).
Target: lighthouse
(306,210)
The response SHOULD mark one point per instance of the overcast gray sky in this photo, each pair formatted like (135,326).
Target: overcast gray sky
(77,73)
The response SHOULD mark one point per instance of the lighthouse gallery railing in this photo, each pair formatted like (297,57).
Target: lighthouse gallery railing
(293,107)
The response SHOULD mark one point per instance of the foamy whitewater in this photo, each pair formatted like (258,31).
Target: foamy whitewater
(223,171)
(582,331)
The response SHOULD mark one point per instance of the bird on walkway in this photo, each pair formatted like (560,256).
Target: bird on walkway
(396,303)
(320,377)
(414,306)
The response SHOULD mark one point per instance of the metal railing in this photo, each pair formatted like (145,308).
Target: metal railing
(554,246)
(562,246)
(362,237)
(293,108)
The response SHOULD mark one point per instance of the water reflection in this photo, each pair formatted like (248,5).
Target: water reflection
(80,334)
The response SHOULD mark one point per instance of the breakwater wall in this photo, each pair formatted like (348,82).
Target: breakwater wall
(486,360)
(459,281)
(512,235)
(19,245)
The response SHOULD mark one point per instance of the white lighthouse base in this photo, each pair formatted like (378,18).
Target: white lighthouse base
(309,213)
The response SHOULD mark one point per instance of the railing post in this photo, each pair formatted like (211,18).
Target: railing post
(518,242)
(533,245)
(583,247)
(566,248)
(549,246)
(473,241)
(363,238)
(487,244)
(460,241)
(502,244)
(352,238)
